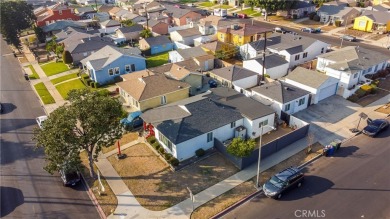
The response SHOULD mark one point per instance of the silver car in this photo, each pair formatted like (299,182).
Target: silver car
(348,38)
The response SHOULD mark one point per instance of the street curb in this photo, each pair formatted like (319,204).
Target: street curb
(93,198)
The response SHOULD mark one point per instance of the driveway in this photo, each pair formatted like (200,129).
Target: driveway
(326,116)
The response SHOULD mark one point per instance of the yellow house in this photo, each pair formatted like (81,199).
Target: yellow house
(371,21)
(145,90)
(378,2)
(239,35)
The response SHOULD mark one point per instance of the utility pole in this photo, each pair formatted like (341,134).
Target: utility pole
(264,48)
(147,16)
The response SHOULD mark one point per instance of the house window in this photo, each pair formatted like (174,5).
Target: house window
(165,140)
(60,12)
(163,100)
(116,70)
(297,57)
(322,50)
(287,107)
(111,71)
(132,67)
(301,102)
(305,55)
(355,75)
(362,23)
(127,68)
(209,136)
(376,68)
(233,124)
(263,123)
(369,70)
(221,36)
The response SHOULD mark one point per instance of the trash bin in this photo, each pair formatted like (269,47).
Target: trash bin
(330,152)
(327,150)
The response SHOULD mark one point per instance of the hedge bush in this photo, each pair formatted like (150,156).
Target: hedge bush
(156,145)
(168,156)
(360,93)
(150,139)
(200,152)
(353,98)
(174,161)
(89,81)
(104,92)
(161,150)
(316,18)
(337,23)
(311,15)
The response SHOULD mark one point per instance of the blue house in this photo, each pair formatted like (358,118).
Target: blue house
(156,44)
(107,64)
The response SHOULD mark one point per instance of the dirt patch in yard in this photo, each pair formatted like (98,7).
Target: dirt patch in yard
(156,187)
(311,23)
(383,90)
(376,36)
(126,138)
(384,109)
(222,202)
(352,32)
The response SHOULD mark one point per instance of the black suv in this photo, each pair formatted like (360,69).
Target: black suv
(70,178)
(283,181)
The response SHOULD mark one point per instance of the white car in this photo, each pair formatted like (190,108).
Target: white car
(41,120)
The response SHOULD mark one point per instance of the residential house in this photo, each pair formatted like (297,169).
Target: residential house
(351,65)
(209,25)
(180,16)
(370,21)
(74,34)
(121,3)
(219,48)
(121,13)
(157,27)
(145,90)
(234,3)
(379,2)
(85,12)
(275,65)
(240,35)
(113,11)
(299,9)
(295,48)
(107,64)
(58,26)
(282,97)
(185,36)
(332,13)
(101,16)
(236,77)
(319,85)
(90,2)
(184,54)
(156,44)
(188,125)
(54,13)
(109,26)
(133,17)
(382,7)
(129,33)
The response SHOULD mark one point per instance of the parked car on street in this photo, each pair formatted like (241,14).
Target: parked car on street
(311,30)
(281,30)
(70,178)
(282,182)
(212,83)
(40,120)
(375,126)
(348,38)
(242,16)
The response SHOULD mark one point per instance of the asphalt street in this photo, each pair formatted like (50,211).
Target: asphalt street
(354,183)
(27,191)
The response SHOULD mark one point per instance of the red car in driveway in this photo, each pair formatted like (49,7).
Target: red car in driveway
(242,16)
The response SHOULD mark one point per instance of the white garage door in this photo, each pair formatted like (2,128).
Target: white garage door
(327,92)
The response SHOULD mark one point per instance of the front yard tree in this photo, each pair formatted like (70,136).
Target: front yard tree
(127,23)
(241,148)
(67,57)
(15,16)
(146,33)
(271,5)
(89,122)
(40,34)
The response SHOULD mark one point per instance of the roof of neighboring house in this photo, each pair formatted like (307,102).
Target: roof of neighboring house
(130,16)
(57,7)
(86,44)
(198,115)
(204,58)
(134,28)
(85,9)
(180,70)
(161,69)
(176,11)
(344,2)
(158,40)
(122,12)
(217,45)
(110,23)
(136,75)
(245,30)
(233,73)
(59,25)
(353,58)
(381,7)
(189,32)
(107,55)
(280,91)
(191,52)
(308,77)
(271,61)
(301,4)
(339,10)
(114,10)
(154,85)
(152,23)
(381,17)
(291,43)
(210,20)
(105,8)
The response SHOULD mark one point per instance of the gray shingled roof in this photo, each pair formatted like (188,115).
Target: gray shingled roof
(158,40)
(134,28)
(109,23)
(191,52)
(291,43)
(308,77)
(301,4)
(85,9)
(176,12)
(189,32)
(280,91)
(59,25)
(271,61)
(353,59)
(381,17)
(335,9)
(233,73)
(86,45)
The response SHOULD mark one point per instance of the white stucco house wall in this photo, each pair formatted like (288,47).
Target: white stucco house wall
(185,36)
(275,65)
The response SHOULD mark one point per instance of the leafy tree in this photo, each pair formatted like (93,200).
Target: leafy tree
(146,33)
(51,45)
(241,148)
(270,5)
(15,16)
(67,57)
(40,34)
(60,49)
(220,54)
(127,23)
(89,122)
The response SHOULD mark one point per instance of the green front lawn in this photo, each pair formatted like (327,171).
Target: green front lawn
(187,1)
(157,60)
(248,11)
(207,4)
(256,15)
(44,93)
(226,6)
(53,68)
(65,87)
(34,73)
(63,78)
